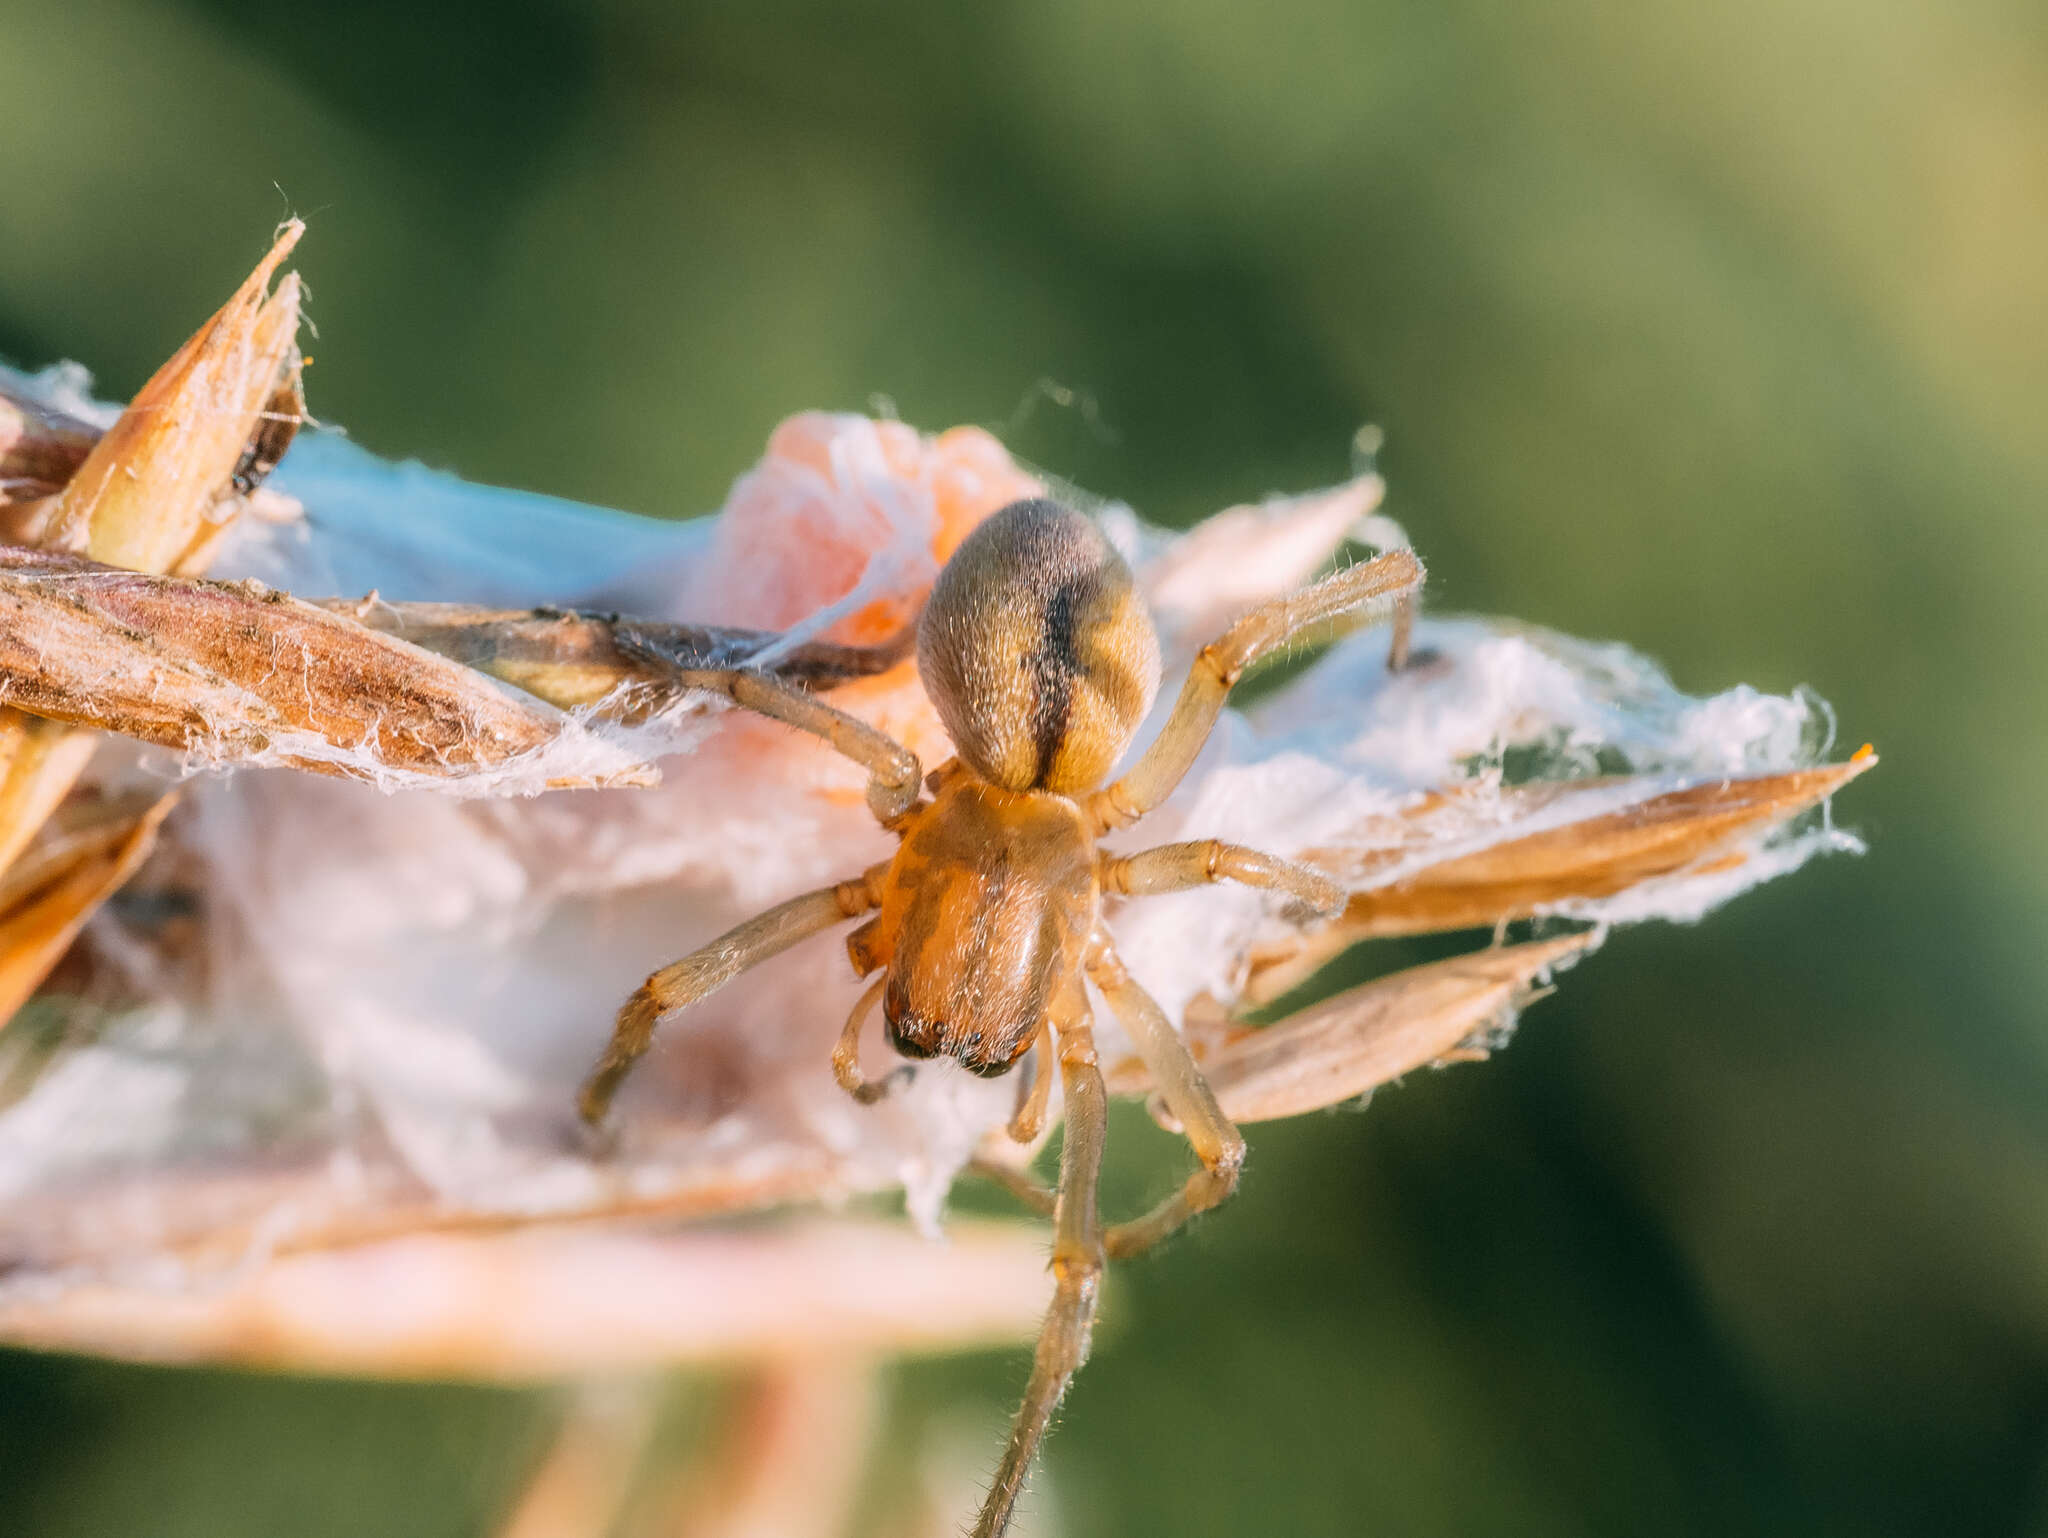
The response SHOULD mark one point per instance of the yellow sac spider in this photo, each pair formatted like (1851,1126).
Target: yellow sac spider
(1041,661)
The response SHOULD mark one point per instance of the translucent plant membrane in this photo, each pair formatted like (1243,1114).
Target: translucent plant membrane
(329,1010)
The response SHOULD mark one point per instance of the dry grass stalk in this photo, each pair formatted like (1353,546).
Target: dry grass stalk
(423,1232)
(578,661)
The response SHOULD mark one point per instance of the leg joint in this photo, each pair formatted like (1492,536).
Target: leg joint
(1078,1270)
(1229,1166)
(1220,659)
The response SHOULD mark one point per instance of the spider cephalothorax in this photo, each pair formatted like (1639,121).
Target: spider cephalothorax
(1041,661)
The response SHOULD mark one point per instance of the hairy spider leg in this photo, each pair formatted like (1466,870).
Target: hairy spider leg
(894,774)
(1149,873)
(1177,867)
(1215,1140)
(1220,664)
(1018,1180)
(711,967)
(1077,1258)
(1080,1244)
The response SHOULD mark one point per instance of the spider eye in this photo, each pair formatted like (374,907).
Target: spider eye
(1037,651)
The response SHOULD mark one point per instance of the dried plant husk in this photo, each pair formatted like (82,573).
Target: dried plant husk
(1585,858)
(78,860)
(238,674)
(1351,1044)
(145,494)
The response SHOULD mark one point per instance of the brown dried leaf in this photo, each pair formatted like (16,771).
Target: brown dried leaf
(1366,1036)
(1597,856)
(246,674)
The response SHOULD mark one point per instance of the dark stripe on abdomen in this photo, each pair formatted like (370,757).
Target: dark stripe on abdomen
(1054,664)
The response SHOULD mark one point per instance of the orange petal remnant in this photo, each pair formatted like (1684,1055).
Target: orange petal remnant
(833,493)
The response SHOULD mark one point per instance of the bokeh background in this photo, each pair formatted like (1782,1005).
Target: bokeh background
(1723,329)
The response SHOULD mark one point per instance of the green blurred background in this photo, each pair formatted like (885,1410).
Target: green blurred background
(1723,329)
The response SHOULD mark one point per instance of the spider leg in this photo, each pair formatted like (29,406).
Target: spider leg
(1029,1118)
(1176,867)
(1216,1141)
(1076,1265)
(713,966)
(1222,662)
(894,773)
(846,1055)
(1018,1181)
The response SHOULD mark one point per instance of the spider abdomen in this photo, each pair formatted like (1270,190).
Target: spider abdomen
(1036,649)
(985,914)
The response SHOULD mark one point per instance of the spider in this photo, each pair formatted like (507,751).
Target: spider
(1039,656)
